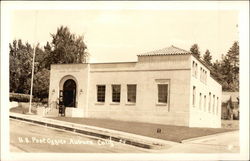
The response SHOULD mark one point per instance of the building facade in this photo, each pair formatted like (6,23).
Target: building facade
(166,86)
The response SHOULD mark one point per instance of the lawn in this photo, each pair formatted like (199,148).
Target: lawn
(23,109)
(168,132)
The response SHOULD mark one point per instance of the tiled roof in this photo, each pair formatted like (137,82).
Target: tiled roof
(172,50)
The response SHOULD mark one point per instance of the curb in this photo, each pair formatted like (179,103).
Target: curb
(207,136)
(117,136)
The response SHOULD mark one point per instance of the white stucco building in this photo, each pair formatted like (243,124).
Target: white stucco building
(166,86)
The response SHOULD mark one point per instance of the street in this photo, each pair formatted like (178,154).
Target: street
(27,137)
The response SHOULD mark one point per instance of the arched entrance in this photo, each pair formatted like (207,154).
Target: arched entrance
(69,93)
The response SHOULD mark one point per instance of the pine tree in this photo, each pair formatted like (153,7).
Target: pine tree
(195,50)
(207,58)
(216,71)
(233,56)
(226,71)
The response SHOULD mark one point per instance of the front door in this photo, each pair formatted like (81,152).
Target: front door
(69,93)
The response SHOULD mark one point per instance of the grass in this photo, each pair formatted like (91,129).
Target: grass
(23,110)
(168,132)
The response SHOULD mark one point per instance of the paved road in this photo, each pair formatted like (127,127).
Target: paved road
(222,143)
(27,137)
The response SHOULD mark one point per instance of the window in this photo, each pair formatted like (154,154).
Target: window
(213,103)
(205,79)
(101,93)
(162,93)
(196,69)
(200,101)
(205,101)
(131,93)
(201,74)
(116,93)
(209,103)
(194,91)
(193,68)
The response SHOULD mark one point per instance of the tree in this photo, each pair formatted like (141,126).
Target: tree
(226,70)
(41,84)
(20,66)
(20,70)
(65,48)
(207,58)
(230,68)
(39,59)
(15,71)
(230,109)
(195,50)
(216,71)
(233,56)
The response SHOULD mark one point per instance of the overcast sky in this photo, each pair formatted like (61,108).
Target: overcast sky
(119,35)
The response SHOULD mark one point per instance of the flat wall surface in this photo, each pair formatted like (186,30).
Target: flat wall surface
(205,112)
(146,74)
(61,73)
(149,63)
(146,108)
(170,62)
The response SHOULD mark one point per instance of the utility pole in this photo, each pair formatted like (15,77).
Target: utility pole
(32,77)
(33,66)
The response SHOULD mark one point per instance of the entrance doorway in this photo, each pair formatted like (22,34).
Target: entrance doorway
(69,93)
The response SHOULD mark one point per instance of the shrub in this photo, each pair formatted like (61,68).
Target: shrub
(18,97)
(45,100)
(35,99)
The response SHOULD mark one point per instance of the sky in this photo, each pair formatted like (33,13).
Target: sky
(121,34)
